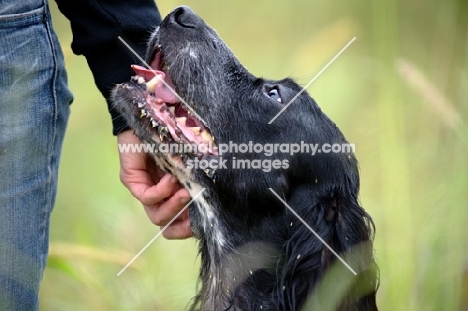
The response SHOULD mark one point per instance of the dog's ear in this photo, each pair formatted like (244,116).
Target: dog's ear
(351,238)
(337,218)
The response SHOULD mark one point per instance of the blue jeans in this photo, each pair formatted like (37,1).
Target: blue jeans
(34,109)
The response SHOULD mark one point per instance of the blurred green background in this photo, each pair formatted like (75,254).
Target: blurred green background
(399,93)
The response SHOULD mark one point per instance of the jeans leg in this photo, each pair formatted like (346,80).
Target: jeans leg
(34,109)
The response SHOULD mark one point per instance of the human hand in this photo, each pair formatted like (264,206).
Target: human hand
(159,192)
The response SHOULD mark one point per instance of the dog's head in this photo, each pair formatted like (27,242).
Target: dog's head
(218,102)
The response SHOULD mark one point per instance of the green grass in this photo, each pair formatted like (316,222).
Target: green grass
(413,155)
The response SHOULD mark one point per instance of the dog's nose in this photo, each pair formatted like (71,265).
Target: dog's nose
(185,17)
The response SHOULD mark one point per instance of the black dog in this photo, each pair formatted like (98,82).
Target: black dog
(255,253)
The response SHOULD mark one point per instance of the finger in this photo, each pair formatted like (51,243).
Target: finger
(134,175)
(178,230)
(161,214)
(151,195)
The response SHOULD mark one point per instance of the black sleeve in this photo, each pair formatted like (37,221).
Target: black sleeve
(96,25)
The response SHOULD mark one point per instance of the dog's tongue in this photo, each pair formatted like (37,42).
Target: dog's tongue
(160,89)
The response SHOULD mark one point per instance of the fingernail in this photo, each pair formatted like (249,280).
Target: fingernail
(184,200)
(173,180)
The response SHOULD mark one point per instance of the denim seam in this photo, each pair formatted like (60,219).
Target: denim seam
(49,190)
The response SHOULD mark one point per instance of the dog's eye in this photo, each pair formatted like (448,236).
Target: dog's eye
(274,94)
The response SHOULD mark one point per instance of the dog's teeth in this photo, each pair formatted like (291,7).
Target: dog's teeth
(151,84)
(141,80)
(278,99)
(163,130)
(172,109)
(140,104)
(154,123)
(206,136)
(143,113)
(195,129)
(181,120)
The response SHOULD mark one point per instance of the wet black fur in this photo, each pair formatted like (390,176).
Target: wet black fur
(269,260)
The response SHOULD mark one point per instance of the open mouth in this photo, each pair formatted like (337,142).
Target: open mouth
(169,117)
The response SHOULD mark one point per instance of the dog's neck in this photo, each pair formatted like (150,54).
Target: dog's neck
(228,266)
(226,270)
